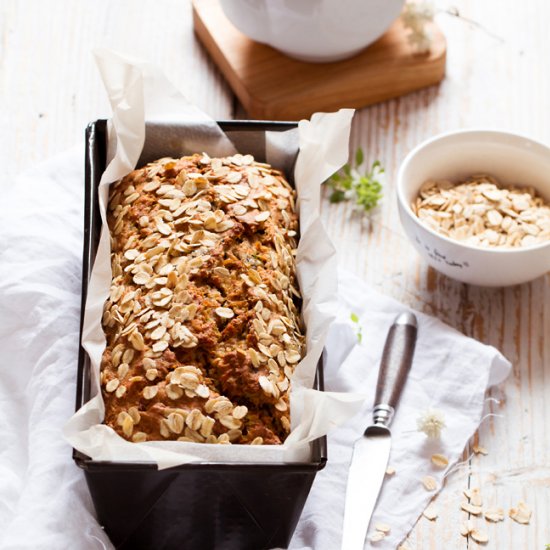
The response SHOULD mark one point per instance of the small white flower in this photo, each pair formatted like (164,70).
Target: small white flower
(431,422)
(415,17)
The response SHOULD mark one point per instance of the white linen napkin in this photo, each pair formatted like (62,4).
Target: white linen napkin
(450,373)
(44,501)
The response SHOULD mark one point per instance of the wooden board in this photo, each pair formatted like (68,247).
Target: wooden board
(272,86)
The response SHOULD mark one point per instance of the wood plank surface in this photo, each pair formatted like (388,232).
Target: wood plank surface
(49,85)
(50,89)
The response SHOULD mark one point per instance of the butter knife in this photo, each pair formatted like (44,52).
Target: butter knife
(371,452)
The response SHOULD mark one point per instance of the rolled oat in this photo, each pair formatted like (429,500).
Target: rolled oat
(481,212)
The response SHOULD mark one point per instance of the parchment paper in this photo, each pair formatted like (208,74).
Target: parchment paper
(140,94)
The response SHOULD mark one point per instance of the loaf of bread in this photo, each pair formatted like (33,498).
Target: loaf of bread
(202,324)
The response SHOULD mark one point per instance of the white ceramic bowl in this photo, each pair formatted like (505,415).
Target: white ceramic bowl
(313,30)
(512,159)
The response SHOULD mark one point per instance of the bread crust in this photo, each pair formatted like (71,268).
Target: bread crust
(202,323)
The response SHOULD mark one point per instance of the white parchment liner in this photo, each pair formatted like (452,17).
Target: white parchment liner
(138,92)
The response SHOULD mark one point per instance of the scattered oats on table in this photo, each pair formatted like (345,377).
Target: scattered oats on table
(377,536)
(494,514)
(430,484)
(468,528)
(439,460)
(431,512)
(478,450)
(521,514)
(383,528)
(479,535)
(474,496)
(471,508)
(481,212)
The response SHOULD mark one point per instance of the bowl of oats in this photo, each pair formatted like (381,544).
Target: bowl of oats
(476,206)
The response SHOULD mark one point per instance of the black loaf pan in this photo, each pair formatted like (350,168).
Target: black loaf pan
(200,505)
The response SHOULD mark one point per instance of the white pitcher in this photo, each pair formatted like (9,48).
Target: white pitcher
(314,30)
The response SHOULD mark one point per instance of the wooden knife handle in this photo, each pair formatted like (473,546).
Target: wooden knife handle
(394,367)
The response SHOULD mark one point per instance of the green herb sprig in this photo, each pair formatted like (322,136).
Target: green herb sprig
(351,183)
(358,330)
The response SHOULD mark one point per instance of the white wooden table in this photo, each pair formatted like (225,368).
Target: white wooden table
(50,89)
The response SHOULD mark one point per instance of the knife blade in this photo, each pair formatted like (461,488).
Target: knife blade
(371,451)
